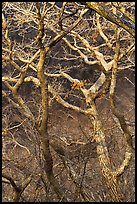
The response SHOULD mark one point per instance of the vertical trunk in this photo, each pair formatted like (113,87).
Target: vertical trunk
(103,156)
(43,130)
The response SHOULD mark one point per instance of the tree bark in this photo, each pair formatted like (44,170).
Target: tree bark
(103,156)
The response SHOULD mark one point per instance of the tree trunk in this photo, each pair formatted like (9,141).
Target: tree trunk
(103,156)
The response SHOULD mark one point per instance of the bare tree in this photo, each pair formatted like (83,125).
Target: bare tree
(70,53)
